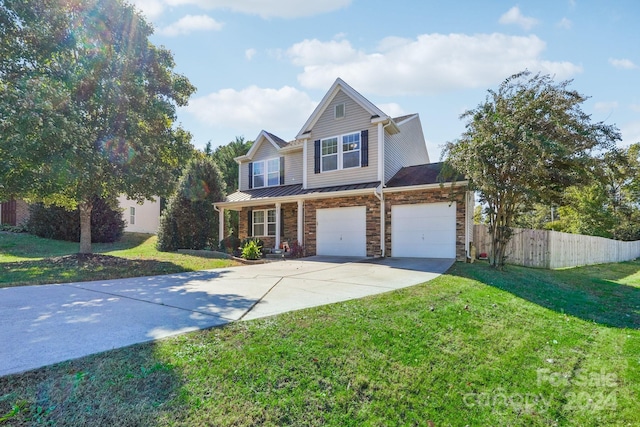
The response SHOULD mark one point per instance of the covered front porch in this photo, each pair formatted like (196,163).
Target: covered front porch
(277,224)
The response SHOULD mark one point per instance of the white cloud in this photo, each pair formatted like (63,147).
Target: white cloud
(317,52)
(630,133)
(250,53)
(280,111)
(392,109)
(190,23)
(152,9)
(431,63)
(514,16)
(565,23)
(635,107)
(605,106)
(269,9)
(623,64)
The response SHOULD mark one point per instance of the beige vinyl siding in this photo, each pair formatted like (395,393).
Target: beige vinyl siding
(244,176)
(292,168)
(356,119)
(406,148)
(292,164)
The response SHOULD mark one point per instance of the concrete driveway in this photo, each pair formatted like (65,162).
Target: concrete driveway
(47,324)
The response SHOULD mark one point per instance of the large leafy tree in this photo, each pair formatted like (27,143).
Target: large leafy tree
(526,143)
(87,105)
(224,156)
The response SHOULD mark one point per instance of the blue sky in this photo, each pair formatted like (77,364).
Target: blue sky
(265,64)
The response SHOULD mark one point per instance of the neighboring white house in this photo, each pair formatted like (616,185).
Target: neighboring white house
(144,218)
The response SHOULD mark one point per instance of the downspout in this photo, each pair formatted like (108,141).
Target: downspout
(378,190)
(378,193)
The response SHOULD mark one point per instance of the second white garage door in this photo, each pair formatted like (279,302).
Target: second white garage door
(423,231)
(342,231)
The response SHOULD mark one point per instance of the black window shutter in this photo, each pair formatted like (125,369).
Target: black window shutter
(364,150)
(281,170)
(250,229)
(250,176)
(316,156)
(281,222)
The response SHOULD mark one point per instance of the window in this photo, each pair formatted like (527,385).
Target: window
(266,173)
(264,220)
(258,174)
(351,151)
(341,156)
(273,172)
(329,154)
(132,215)
(339,111)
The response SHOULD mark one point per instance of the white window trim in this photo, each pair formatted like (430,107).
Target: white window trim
(344,111)
(265,174)
(265,223)
(341,153)
(132,215)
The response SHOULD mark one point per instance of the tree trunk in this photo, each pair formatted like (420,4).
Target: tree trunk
(85,226)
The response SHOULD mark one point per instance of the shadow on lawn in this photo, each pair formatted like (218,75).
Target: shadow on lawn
(129,386)
(595,293)
(80,268)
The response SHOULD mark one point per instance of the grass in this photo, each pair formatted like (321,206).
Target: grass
(474,347)
(30,260)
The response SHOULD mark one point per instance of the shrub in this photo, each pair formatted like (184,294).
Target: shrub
(54,222)
(252,249)
(229,245)
(189,221)
(296,250)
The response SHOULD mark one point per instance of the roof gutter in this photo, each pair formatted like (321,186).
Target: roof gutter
(422,187)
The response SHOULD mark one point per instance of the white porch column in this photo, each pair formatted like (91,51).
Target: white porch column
(278,231)
(221,224)
(300,222)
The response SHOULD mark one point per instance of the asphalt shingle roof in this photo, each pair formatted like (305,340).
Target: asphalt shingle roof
(428,173)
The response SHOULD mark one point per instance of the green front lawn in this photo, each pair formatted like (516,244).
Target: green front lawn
(473,347)
(30,260)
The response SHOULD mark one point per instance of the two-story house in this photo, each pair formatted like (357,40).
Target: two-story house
(353,182)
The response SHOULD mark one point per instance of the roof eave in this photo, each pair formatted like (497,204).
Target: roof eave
(422,187)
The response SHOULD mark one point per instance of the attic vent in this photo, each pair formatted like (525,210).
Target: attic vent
(339,111)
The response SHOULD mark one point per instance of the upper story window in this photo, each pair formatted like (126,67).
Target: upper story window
(329,154)
(266,173)
(339,111)
(343,155)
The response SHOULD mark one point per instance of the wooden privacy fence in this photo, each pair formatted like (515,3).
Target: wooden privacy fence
(553,249)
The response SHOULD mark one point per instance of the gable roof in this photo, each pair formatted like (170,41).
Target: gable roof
(338,85)
(276,141)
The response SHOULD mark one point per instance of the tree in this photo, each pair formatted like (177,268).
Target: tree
(608,207)
(224,157)
(526,143)
(87,105)
(190,222)
(53,222)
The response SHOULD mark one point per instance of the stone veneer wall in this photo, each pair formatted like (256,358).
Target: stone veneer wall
(373,220)
(427,196)
(290,233)
(290,213)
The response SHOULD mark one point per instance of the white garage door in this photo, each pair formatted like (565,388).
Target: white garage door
(342,231)
(424,230)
